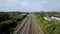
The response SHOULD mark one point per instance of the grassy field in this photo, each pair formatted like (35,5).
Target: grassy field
(48,27)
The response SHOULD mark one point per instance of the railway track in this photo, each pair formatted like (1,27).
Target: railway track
(29,27)
(25,28)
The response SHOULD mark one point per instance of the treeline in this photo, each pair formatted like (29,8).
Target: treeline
(9,20)
(50,14)
(48,27)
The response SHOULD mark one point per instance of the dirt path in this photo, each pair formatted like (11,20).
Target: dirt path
(34,28)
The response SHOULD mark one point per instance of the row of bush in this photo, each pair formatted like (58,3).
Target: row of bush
(48,27)
(9,20)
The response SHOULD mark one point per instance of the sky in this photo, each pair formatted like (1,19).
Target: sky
(29,5)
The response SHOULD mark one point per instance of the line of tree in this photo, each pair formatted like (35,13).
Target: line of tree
(9,20)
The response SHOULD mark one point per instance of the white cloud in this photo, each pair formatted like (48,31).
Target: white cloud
(43,2)
(1,4)
(24,4)
(8,3)
(29,5)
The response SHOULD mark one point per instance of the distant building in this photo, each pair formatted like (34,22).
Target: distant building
(56,18)
(48,18)
(51,18)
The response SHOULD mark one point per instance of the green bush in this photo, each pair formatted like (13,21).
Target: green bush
(48,27)
(9,20)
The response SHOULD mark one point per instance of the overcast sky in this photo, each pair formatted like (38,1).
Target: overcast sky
(29,5)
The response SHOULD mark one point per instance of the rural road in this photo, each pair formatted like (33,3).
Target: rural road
(30,26)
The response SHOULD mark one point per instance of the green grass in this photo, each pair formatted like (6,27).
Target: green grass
(48,27)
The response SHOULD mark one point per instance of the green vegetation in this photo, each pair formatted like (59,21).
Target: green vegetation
(9,21)
(48,27)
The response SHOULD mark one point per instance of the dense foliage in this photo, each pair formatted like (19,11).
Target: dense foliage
(48,27)
(9,20)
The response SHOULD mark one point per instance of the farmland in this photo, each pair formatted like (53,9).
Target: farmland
(48,27)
